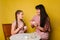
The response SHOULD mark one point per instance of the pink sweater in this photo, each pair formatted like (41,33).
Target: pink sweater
(43,35)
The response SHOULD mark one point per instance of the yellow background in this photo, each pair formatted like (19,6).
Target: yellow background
(8,8)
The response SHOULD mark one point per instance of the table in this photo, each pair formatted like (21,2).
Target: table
(25,36)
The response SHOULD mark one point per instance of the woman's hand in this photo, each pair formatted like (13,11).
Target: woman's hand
(34,23)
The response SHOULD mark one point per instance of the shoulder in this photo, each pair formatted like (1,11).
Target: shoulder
(48,19)
(14,23)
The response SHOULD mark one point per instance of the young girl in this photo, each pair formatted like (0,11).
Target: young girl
(18,26)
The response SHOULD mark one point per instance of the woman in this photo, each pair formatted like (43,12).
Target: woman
(18,26)
(41,22)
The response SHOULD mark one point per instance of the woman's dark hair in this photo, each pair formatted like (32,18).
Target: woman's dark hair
(43,15)
(18,12)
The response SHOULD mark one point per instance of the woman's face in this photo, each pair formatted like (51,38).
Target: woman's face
(38,11)
(20,15)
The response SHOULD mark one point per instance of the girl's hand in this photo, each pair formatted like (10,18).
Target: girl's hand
(25,28)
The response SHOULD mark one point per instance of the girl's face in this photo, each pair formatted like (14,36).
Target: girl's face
(20,15)
(38,11)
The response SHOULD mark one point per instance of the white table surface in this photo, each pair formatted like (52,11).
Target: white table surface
(25,36)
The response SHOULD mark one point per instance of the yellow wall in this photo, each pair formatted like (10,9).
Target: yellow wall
(28,6)
(1,31)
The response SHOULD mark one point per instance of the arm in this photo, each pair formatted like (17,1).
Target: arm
(46,27)
(13,29)
(40,28)
(34,24)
